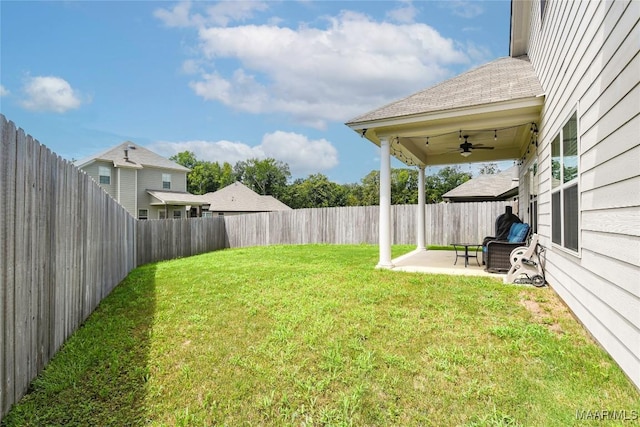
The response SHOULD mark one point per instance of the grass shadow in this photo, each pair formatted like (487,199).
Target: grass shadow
(100,374)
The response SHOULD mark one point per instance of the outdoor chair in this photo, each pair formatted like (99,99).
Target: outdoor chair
(497,252)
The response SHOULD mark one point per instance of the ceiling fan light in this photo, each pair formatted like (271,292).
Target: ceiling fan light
(465,153)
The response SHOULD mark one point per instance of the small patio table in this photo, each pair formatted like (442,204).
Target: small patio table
(466,255)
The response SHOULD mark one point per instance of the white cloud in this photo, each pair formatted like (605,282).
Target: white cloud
(191,66)
(4,91)
(405,14)
(303,155)
(218,151)
(179,16)
(465,9)
(224,12)
(50,93)
(221,13)
(321,74)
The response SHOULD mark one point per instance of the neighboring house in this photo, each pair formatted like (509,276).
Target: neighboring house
(148,185)
(565,103)
(486,188)
(237,199)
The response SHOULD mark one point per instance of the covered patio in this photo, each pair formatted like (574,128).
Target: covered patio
(440,262)
(487,114)
(186,203)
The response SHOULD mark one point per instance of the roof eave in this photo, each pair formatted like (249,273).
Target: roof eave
(378,126)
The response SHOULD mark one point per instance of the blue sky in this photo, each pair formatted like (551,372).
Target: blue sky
(232,80)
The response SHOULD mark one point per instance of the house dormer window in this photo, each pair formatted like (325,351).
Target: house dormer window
(564,186)
(166,181)
(105,175)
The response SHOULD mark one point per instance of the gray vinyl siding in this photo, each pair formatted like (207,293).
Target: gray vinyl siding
(93,171)
(151,179)
(586,56)
(127,190)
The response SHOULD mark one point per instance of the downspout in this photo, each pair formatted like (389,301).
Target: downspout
(420,244)
(385,205)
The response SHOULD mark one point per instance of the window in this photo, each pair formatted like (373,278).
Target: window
(105,175)
(143,214)
(161,215)
(564,185)
(166,181)
(177,214)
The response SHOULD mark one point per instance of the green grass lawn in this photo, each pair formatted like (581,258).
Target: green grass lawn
(314,335)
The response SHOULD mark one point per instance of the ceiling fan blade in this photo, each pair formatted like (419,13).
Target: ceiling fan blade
(475,147)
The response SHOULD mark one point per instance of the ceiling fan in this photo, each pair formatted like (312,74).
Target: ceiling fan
(466,147)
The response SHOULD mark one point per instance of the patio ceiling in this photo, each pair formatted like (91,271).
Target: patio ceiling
(499,100)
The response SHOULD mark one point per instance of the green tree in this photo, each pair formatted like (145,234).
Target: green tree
(227,177)
(265,177)
(489,169)
(316,191)
(186,159)
(353,194)
(444,180)
(370,195)
(404,186)
(202,178)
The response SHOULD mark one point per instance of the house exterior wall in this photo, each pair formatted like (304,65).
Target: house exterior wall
(127,179)
(586,57)
(93,171)
(129,186)
(151,179)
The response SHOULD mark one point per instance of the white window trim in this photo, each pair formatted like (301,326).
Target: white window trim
(166,175)
(563,186)
(102,169)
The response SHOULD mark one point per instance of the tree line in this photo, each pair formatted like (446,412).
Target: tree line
(272,177)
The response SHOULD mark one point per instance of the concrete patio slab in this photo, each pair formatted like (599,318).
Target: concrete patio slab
(440,262)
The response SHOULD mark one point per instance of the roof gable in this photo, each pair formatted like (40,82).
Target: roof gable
(136,157)
(237,197)
(504,79)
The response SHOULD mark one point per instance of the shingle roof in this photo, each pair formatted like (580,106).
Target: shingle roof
(486,186)
(138,157)
(504,79)
(239,198)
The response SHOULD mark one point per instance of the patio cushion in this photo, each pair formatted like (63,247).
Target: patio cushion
(518,232)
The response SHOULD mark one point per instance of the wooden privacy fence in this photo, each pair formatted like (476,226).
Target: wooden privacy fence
(64,245)
(446,223)
(166,239)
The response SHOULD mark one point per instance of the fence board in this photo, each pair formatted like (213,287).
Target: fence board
(4,149)
(9,168)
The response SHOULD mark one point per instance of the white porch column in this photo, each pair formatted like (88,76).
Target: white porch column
(420,240)
(385,204)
